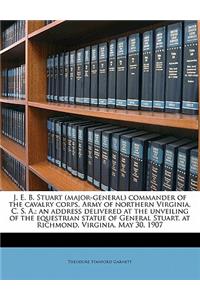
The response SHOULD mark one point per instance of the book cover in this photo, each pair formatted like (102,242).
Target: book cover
(103,75)
(74,146)
(97,154)
(125,159)
(170,164)
(87,76)
(159,69)
(52,70)
(66,78)
(94,76)
(61,76)
(90,160)
(190,69)
(58,143)
(139,160)
(115,158)
(83,150)
(134,72)
(64,145)
(56,78)
(193,171)
(183,165)
(157,162)
(121,91)
(48,79)
(106,157)
(173,93)
(72,77)
(79,76)
(147,70)
(112,73)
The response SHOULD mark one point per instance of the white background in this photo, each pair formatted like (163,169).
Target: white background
(102,9)
(100,290)
(193,225)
